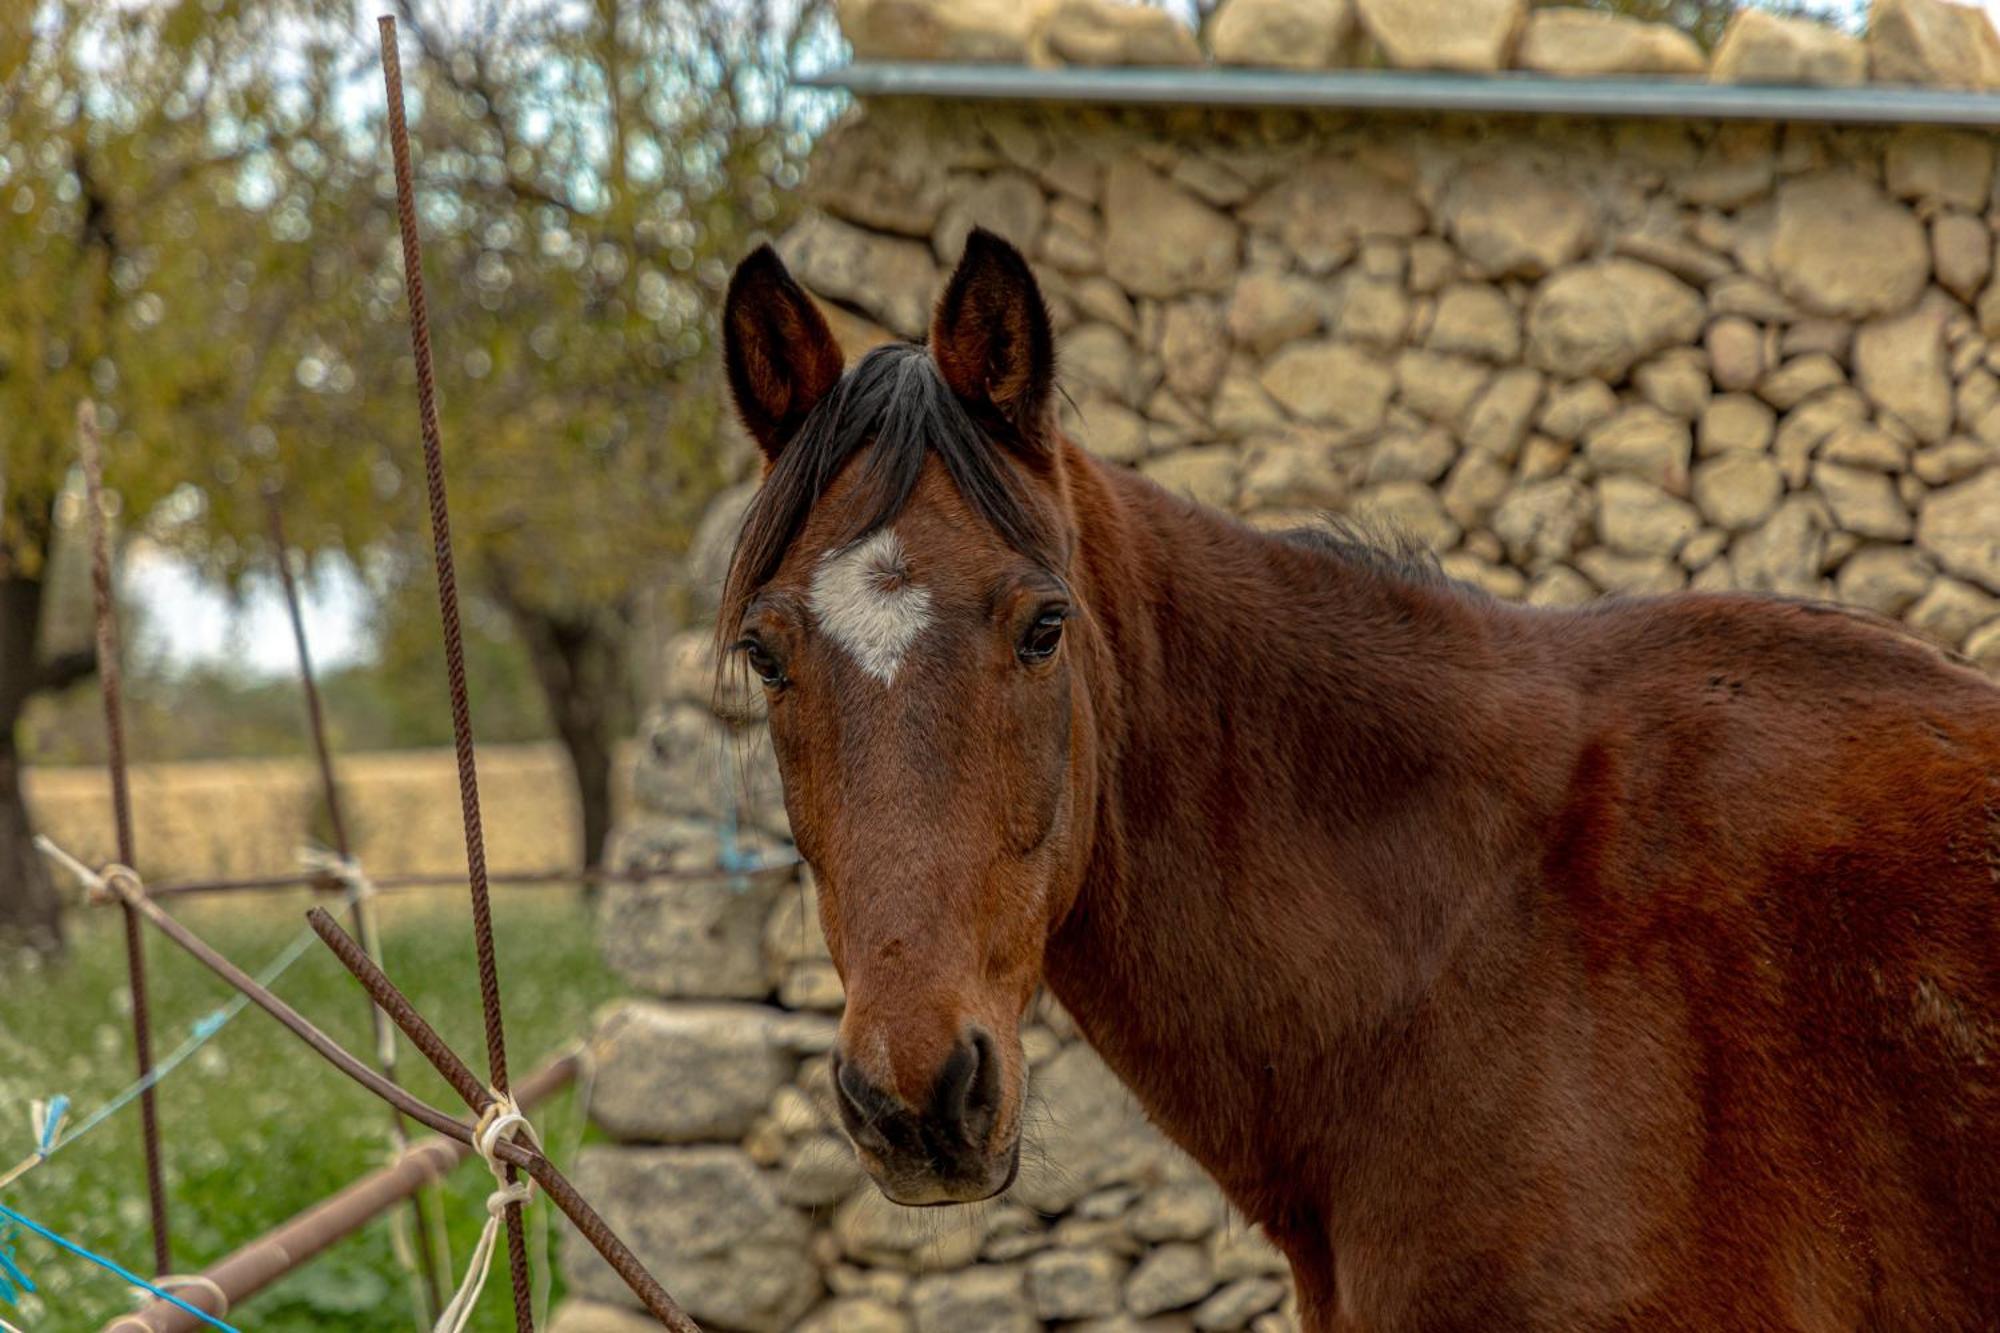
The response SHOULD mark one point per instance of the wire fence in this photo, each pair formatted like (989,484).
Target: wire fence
(500,1132)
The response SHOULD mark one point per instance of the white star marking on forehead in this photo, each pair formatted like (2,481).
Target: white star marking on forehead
(863,598)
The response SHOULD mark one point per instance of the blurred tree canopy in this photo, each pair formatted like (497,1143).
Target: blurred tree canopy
(197,228)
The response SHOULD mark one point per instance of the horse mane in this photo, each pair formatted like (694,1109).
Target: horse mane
(895,405)
(1371,548)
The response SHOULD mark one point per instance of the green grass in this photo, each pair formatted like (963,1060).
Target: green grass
(256,1126)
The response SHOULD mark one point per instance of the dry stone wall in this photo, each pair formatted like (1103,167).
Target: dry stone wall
(1574,358)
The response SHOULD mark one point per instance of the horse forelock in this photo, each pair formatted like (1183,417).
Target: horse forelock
(894,410)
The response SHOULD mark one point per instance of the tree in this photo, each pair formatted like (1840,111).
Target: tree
(117,123)
(587,176)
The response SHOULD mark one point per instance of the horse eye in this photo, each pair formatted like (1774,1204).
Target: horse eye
(1039,643)
(766,666)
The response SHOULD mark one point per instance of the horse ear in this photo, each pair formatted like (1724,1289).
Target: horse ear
(991,336)
(782,358)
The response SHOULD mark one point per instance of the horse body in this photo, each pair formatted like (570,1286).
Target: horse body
(1636,966)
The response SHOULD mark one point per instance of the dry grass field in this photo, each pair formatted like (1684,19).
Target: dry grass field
(231,817)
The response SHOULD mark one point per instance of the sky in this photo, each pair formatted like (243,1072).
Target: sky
(189,621)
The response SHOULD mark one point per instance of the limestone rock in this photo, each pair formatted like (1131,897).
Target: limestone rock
(1863,503)
(1631,575)
(707,1224)
(1160,240)
(1783,555)
(1735,353)
(1478,483)
(851,1314)
(1643,442)
(1961,253)
(1582,42)
(1960,525)
(1234,1306)
(1445,34)
(892,280)
(1932,42)
(1185,1211)
(1109,429)
(1941,168)
(1106,32)
(937,29)
(1760,47)
(1735,422)
(1373,312)
(1737,491)
(688,938)
(1100,356)
(1901,363)
(1331,382)
(1409,509)
(1169,1278)
(1950,610)
(1601,317)
(1437,386)
(818,1171)
(1075,1284)
(1324,209)
(871,1230)
(1410,456)
(1499,420)
(1542,520)
(1884,579)
(684,1073)
(1510,220)
(873,171)
(1475,319)
(1674,382)
(1205,474)
(1639,518)
(1572,409)
(593,1317)
(1286,34)
(1193,348)
(1291,470)
(985,1298)
(1008,203)
(1090,1131)
(1269,308)
(1841,247)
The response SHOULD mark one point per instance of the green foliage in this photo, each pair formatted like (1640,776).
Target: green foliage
(256,1126)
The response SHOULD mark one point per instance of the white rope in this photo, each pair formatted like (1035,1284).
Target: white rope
(501,1118)
(176,1281)
(361,894)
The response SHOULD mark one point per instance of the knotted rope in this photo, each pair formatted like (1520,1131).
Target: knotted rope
(500,1119)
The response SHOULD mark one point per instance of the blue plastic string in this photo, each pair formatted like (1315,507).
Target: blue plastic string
(110,1266)
(14,1283)
(205,1028)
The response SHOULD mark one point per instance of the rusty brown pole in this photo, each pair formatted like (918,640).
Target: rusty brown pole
(126,886)
(454,647)
(432,1294)
(255,1266)
(92,455)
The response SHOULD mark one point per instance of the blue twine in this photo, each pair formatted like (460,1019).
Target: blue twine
(111,1267)
(52,1123)
(204,1029)
(14,1283)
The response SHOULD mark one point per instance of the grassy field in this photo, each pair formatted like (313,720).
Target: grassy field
(256,1126)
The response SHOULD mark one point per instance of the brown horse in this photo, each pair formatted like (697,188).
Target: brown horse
(1635,967)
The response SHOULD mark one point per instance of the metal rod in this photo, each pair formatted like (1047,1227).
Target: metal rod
(92,453)
(321,883)
(455,1072)
(454,647)
(1399,90)
(121,882)
(430,1296)
(285,1248)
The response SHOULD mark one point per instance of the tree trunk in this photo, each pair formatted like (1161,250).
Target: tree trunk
(580,665)
(30,910)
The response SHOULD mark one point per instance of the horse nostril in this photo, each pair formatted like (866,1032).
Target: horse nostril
(968,1092)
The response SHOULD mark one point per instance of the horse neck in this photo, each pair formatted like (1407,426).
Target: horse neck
(1276,727)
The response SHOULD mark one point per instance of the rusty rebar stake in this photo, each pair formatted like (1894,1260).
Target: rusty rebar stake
(92,455)
(454,647)
(126,886)
(432,1294)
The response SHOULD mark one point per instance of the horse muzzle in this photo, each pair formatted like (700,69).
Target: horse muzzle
(951,1149)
